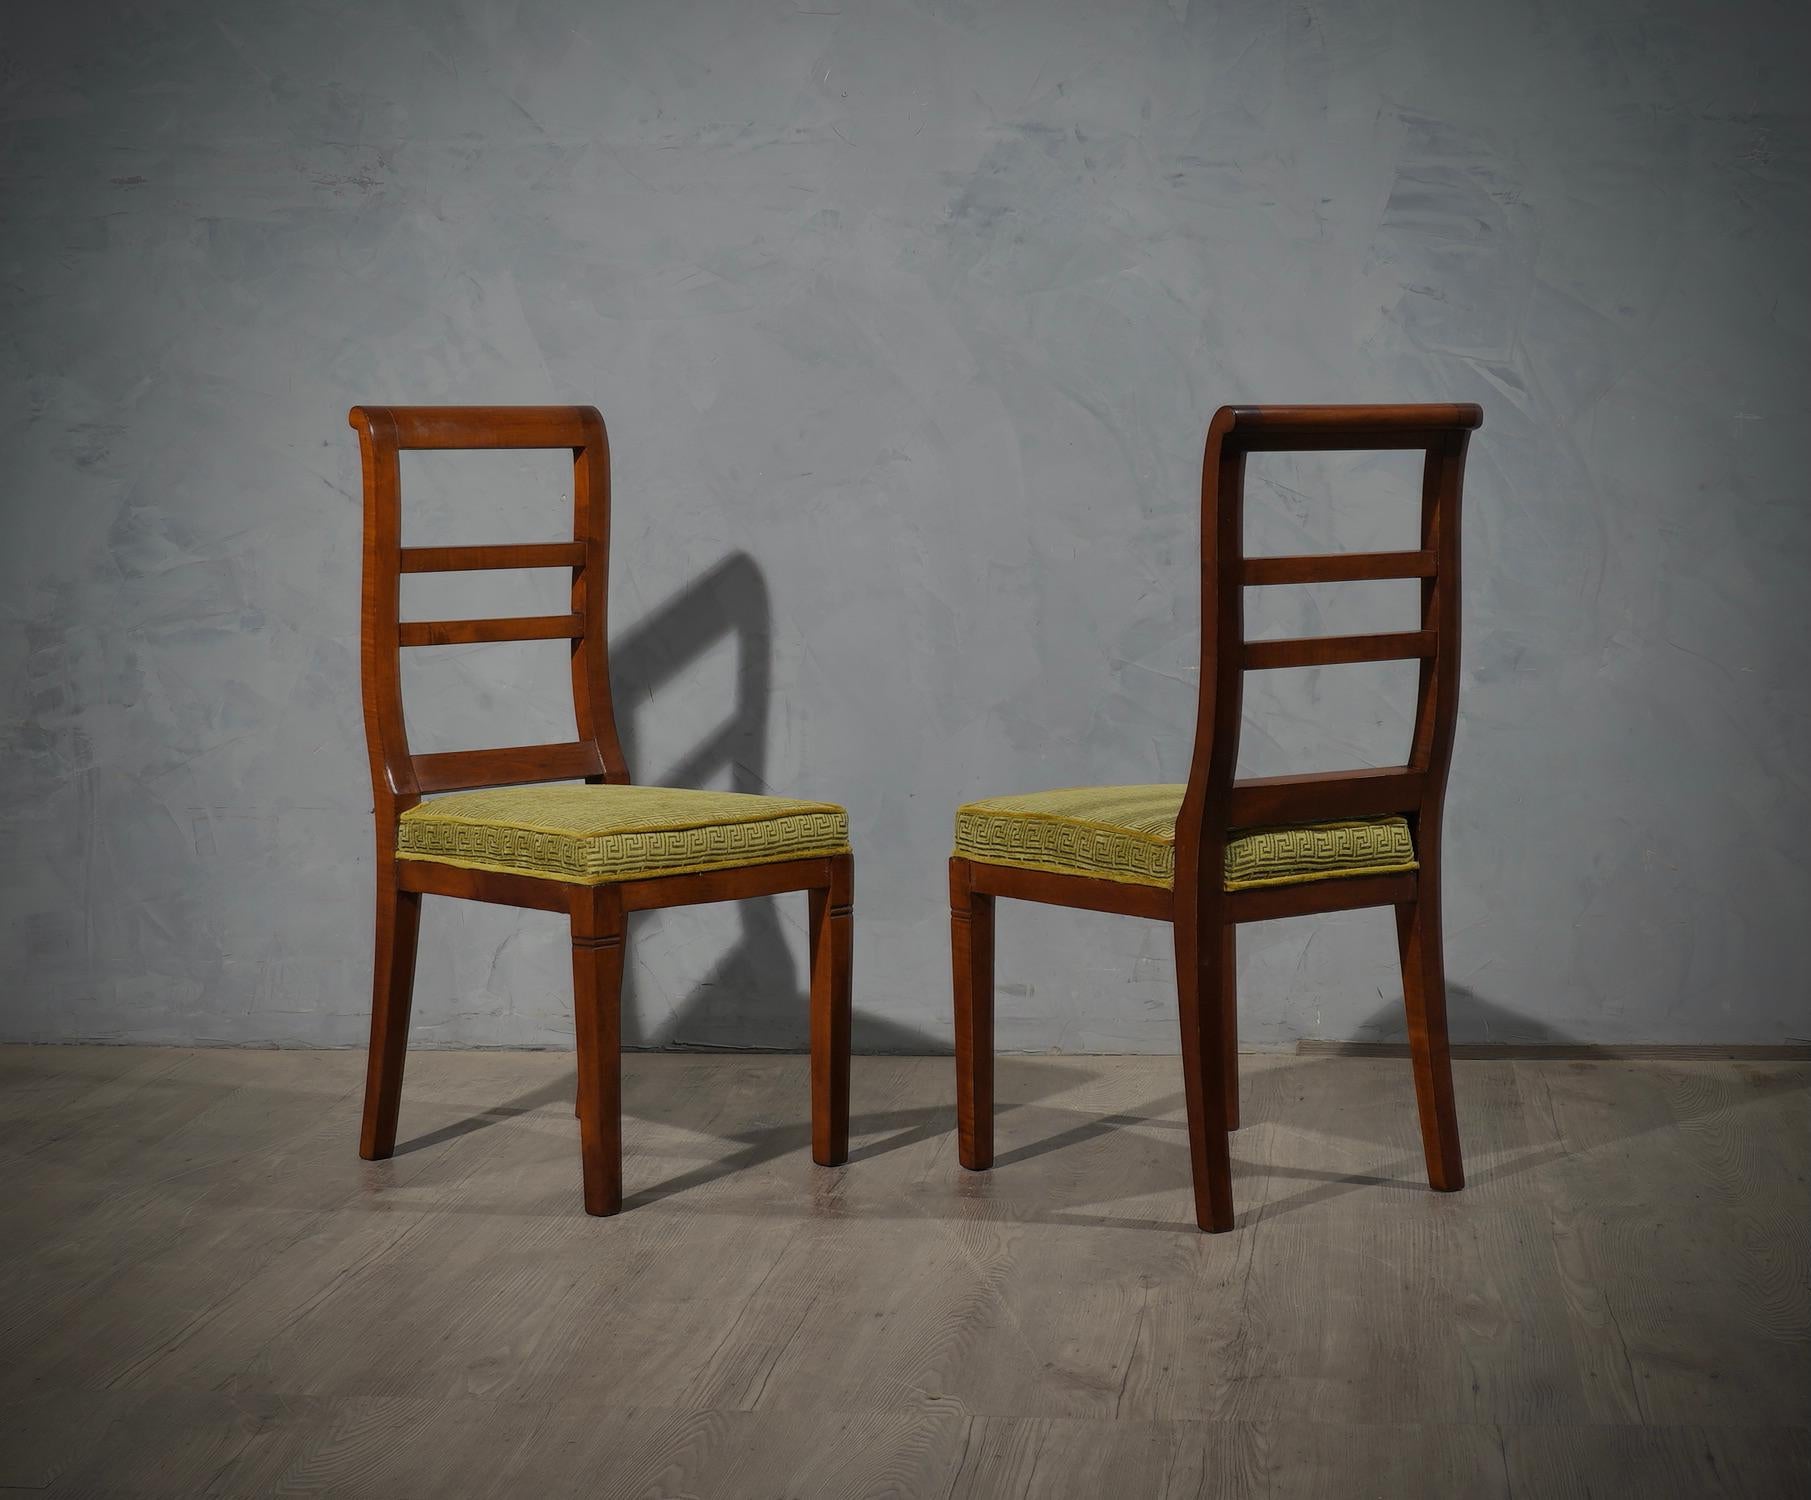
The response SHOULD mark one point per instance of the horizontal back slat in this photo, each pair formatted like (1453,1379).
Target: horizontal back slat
(1261,801)
(475,632)
(461,770)
(1337,650)
(1337,567)
(430,427)
(507,555)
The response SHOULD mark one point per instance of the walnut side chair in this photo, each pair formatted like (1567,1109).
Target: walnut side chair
(595,851)
(1218,851)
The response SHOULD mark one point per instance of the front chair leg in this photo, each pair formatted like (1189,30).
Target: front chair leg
(598,934)
(972,958)
(1424,998)
(392,992)
(1203,997)
(832,918)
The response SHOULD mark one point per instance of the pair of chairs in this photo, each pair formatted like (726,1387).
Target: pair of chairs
(1204,856)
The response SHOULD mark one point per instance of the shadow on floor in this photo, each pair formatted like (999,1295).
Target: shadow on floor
(1151,1152)
(1024,1083)
(561,1090)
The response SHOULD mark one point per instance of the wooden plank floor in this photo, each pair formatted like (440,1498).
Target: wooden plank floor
(204,1291)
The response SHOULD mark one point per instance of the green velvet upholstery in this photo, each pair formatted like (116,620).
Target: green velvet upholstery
(592,835)
(1128,834)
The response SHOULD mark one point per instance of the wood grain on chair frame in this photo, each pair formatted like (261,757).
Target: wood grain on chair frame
(1203,914)
(598,913)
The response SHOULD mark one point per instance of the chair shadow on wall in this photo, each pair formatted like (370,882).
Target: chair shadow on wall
(1471,1019)
(758,973)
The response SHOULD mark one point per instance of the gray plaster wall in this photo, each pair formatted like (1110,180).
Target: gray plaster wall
(907,320)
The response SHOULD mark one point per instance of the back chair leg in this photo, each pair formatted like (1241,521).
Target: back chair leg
(392,992)
(972,953)
(1204,998)
(1229,1020)
(1424,998)
(832,921)
(598,932)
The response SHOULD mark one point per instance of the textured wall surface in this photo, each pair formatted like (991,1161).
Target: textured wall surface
(907,320)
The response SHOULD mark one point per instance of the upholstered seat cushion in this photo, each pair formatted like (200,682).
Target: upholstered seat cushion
(1128,834)
(592,835)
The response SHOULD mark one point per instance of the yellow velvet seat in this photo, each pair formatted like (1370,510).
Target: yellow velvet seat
(594,835)
(1128,834)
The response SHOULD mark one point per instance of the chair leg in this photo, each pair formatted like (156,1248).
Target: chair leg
(832,941)
(1424,998)
(1201,971)
(972,957)
(597,981)
(1229,1019)
(392,992)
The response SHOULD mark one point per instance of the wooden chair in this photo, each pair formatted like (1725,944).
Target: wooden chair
(596,851)
(1219,851)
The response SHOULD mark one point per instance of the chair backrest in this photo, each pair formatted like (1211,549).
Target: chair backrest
(1215,802)
(399,778)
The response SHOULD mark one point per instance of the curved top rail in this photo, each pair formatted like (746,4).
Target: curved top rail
(482,426)
(1292,428)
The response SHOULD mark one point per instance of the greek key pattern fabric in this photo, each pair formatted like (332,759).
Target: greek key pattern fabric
(1128,834)
(1318,851)
(593,835)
